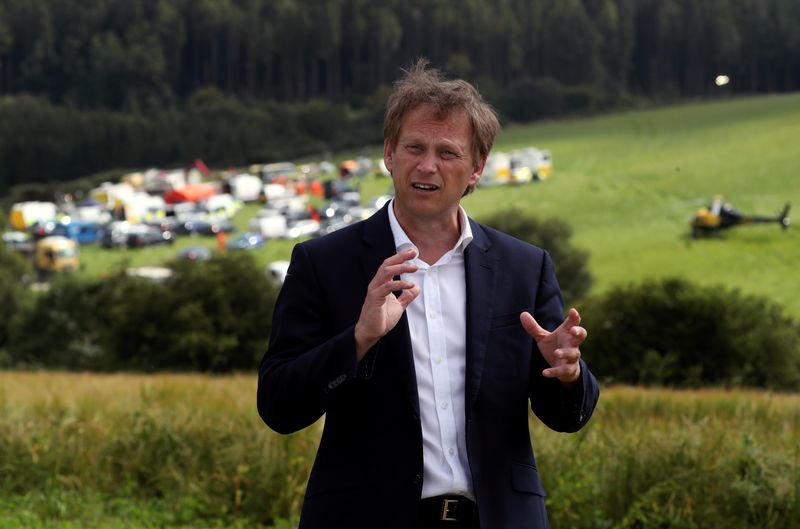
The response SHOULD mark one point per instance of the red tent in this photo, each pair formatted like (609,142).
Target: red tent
(190,193)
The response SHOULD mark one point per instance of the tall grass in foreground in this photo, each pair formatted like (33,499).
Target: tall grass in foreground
(81,450)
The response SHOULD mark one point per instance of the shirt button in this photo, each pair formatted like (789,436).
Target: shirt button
(452,451)
(433,315)
(444,405)
(438,359)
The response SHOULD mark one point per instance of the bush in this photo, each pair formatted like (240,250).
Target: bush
(553,235)
(14,296)
(671,332)
(210,316)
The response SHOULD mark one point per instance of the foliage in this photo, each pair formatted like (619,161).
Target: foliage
(671,332)
(652,459)
(190,451)
(91,85)
(144,57)
(42,145)
(14,296)
(209,316)
(571,263)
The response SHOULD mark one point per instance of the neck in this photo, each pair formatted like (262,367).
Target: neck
(433,237)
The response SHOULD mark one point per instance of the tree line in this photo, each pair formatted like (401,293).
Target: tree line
(151,54)
(92,85)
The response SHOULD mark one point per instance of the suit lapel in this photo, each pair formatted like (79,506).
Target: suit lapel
(395,347)
(481,276)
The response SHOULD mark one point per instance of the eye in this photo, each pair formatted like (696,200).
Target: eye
(414,148)
(447,154)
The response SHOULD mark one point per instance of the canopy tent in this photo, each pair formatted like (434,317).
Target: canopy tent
(190,193)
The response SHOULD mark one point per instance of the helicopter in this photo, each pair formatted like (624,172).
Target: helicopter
(721,215)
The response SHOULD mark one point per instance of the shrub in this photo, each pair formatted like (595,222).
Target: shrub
(210,316)
(553,235)
(14,296)
(671,332)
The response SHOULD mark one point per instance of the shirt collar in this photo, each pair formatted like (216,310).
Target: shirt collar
(401,240)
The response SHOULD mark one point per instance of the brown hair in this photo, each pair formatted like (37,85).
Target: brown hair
(421,85)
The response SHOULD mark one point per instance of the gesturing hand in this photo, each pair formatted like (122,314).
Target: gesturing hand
(561,347)
(382,309)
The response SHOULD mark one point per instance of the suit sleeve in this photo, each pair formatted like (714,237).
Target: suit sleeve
(559,409)
(307,361)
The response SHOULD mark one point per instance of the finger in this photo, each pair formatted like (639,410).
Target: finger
(531,326)
(386,273)
(577,336)
(409,295)
(565,373)
(399,257)
(573,319)
(397,285)
(568,355)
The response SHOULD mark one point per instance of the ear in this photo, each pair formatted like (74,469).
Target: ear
(387,155)
(477,171)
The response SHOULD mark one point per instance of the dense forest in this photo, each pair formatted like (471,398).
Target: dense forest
(138,68)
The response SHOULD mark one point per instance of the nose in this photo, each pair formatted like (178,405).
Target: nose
(428,164)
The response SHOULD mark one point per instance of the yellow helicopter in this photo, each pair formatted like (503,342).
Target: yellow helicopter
(721,215)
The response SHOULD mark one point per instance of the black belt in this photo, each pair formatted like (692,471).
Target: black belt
(448,511)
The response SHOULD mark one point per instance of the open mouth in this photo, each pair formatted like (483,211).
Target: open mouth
(425,187)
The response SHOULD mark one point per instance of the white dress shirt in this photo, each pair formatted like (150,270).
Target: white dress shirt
(437,324)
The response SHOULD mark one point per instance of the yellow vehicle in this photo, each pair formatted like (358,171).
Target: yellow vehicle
(721,215)
(56,255)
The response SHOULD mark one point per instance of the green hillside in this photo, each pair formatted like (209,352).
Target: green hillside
(628,184)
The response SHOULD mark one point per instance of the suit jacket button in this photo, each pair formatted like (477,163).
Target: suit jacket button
(417,479)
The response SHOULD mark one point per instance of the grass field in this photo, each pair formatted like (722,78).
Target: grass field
(628,184)
(189,451)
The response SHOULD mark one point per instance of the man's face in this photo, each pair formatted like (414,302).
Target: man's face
(432,164)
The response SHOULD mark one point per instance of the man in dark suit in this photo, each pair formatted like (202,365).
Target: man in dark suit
(424,338)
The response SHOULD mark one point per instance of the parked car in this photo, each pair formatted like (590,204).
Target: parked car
(115,234)
(171,224)
(302,228)
(206,227)
(81,232)
(195,253)
(246,241)
(143,235)
(19,241)
(123,234)
(277,270)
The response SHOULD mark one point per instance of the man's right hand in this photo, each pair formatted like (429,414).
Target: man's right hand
(382,309)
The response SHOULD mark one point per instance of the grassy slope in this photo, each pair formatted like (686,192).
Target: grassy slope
(628,184)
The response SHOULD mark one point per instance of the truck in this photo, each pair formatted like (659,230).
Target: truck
(24,214)
(55,254)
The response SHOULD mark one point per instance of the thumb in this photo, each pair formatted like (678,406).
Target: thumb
(531,326)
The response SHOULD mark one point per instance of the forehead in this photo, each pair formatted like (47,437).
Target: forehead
(427,121)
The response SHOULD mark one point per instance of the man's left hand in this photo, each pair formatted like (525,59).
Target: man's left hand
(561,348)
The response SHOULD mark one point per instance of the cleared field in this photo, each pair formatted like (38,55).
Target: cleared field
(628,184)
(135,451)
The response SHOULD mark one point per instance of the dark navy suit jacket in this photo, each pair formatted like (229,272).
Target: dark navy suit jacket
(368,469)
